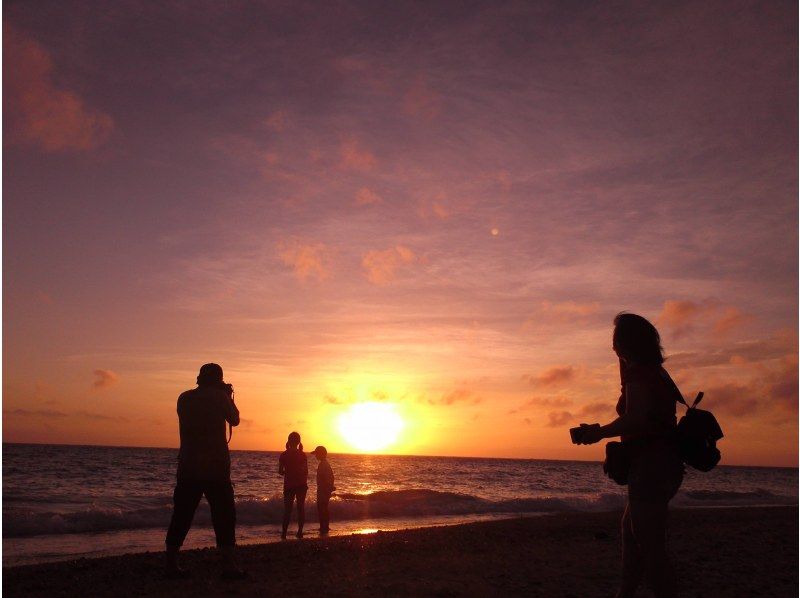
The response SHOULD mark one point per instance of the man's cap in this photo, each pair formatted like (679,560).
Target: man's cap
(210,373)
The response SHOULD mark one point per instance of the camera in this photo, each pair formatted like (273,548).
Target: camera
(575,434)
(228,388)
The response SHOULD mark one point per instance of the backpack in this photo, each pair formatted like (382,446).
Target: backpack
(698,432)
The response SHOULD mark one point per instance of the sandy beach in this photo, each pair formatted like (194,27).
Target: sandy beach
(717,552)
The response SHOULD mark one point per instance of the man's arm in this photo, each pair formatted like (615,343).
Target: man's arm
(231,411)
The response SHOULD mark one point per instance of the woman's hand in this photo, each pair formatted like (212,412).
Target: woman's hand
(590,434)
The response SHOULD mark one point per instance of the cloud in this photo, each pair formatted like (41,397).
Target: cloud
(354,157)
(682,316)
(781,385)
(421,101)
(737,400)
(569,309)
(250,426)
(597,409)
(554,376)
(460,395)
(561,311)
(43,413)
(751,351)
(353,397)
(366,197)
(381,265)
(542,402)
(365,73)
(99,416)
(549,402)
(331,399)
(731,318)
(594,410)
(558,418)
(678,315)
(770,390)
(379,395)
(41,113)
(437,205)
(44,298)
(503,178)
(104,379)
(52,414)
(307,260)
(276,121)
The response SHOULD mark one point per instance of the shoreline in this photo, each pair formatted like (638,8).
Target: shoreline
(45,549)
(719,551)
(143,540)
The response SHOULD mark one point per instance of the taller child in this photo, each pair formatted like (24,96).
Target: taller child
(293,466)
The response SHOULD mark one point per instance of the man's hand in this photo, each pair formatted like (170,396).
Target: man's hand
(590,434)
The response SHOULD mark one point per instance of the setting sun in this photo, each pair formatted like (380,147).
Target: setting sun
(370,426)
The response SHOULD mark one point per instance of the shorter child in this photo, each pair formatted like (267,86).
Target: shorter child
(325,488)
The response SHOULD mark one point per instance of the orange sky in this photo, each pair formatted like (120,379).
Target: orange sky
(440,210)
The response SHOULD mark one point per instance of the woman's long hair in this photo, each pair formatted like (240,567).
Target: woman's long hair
(294,440)
(637,340)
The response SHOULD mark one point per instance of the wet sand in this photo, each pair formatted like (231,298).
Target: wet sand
(717,552)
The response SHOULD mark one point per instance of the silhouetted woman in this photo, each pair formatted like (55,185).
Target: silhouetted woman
(293,466)
(647,425)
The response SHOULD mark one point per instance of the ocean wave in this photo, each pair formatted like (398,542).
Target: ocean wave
(154,512)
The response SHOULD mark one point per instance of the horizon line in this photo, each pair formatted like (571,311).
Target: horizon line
(373,454)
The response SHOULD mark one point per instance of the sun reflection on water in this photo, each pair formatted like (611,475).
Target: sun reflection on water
(367,530)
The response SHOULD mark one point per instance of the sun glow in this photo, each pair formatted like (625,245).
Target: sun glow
(370,426)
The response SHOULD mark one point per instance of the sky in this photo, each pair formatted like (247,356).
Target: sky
(439,207)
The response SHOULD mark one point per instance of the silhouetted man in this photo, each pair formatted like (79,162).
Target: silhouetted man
(204,467)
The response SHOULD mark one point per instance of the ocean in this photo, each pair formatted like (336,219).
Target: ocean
(63,502)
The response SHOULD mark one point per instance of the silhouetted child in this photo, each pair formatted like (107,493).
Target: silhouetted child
(325,488)
(293,466)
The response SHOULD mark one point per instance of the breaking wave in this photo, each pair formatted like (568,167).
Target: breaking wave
(154,512)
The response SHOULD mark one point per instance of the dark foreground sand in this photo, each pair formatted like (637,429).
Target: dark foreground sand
(717,552)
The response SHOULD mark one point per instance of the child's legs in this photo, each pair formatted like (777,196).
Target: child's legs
(288,499)
(301,508)
(322,510)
